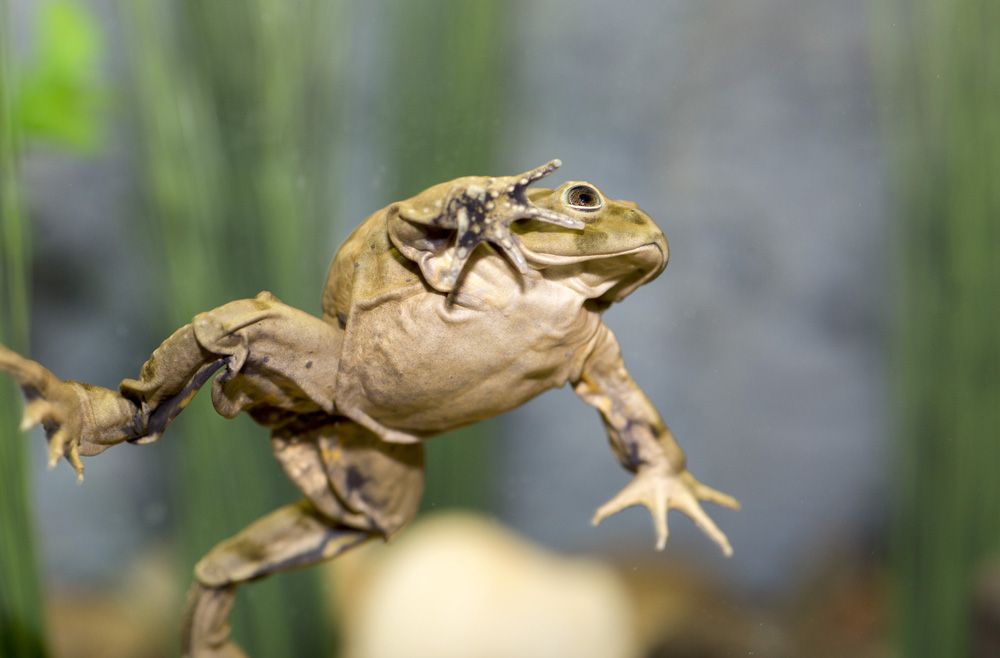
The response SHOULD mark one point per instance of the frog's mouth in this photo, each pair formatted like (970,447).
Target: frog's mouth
(613,275)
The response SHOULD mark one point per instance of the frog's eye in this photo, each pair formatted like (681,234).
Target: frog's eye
(583,197)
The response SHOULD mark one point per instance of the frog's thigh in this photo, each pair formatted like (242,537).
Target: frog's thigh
(291,537)
(299,456)
(352,476)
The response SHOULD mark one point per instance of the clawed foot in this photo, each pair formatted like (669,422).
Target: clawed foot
(51,403)
(659,489)
(481,209)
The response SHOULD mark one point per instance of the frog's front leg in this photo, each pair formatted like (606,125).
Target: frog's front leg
(82,420)
(645,446)
(440,228)
(276,357)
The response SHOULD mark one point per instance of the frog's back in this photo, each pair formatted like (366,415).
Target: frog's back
(367,267)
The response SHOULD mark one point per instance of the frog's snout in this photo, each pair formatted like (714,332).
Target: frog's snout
(661,243)
(651,259)
(656,239)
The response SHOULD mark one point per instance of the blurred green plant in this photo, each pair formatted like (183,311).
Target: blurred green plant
(444,107)
(55,100)
(939,68)
(232,100)
(21,619)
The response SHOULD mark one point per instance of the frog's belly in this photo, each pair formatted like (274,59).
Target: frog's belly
(420,365)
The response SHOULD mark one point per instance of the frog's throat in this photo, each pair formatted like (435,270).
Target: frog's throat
(554,260)
(645,266)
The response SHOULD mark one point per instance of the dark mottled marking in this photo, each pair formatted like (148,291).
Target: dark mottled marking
(634,218)
(469,240)
(313,556)
(309,364)
(265,360)
(355,478)
(590,240)
(249,549)
(633,456)
(634,461)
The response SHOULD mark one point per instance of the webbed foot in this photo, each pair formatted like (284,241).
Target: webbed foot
(659,489)
(481,209)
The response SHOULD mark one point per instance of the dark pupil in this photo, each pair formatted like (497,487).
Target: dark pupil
(583,198)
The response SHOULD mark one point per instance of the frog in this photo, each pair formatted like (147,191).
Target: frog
(448,308)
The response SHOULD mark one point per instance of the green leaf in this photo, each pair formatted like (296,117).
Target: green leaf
(58,99)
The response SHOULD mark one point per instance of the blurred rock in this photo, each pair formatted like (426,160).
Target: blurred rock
(456,585)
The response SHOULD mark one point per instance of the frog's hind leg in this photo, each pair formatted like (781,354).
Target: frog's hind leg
(291,537)
(357,487)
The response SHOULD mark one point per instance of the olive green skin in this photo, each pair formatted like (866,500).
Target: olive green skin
(419,362)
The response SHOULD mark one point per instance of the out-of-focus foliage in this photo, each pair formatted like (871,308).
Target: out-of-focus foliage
(57,99)
(941,75)
(21,626)
(231,102)
(444,122)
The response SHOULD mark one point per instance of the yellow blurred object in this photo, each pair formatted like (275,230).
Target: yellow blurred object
(461,586)
(137,620)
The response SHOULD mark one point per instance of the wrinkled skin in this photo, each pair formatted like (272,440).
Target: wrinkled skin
(448,308)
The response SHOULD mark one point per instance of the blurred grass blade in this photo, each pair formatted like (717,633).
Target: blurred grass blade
(22,629)
(939,70)
(444,104)
(222,91)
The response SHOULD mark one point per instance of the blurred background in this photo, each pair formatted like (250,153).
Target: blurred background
(825,343)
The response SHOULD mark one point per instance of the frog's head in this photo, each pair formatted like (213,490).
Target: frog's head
(618,249)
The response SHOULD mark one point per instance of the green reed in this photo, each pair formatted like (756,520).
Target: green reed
(443,112)
(22,628)
(939,71)
(53,98)
(228,98)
